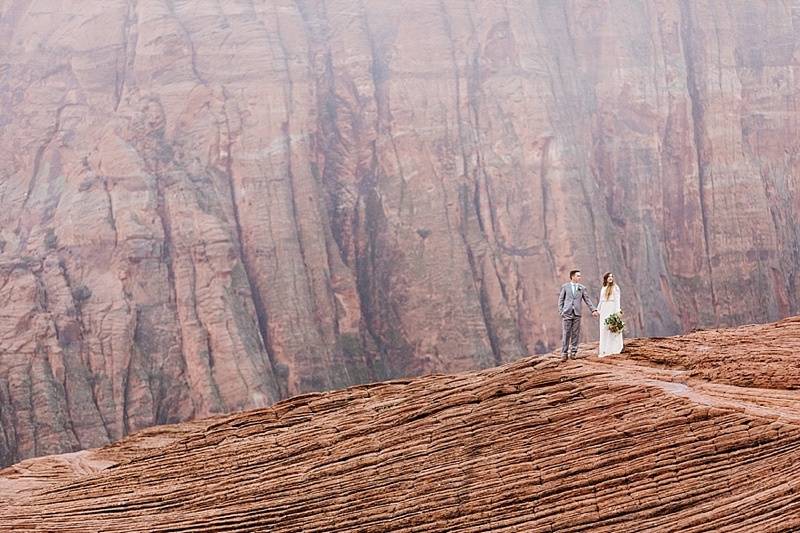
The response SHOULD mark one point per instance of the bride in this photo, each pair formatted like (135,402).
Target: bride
(610,343)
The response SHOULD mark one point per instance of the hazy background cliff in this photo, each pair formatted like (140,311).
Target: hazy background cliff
(207,206)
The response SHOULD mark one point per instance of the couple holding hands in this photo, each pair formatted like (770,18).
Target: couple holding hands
(570,301)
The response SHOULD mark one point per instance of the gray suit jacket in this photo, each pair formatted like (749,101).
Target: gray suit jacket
(567,302)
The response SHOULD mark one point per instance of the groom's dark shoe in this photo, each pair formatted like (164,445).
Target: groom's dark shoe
(573,355)
(564,357)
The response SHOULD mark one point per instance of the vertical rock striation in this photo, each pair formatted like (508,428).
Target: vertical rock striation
(209,206)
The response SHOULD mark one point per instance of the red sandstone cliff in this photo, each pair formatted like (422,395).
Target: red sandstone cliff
(209,206)
(685,434)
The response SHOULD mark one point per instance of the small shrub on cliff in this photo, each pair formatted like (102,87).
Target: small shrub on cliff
(281,371)
(81,293)
(50,239)
(350,345)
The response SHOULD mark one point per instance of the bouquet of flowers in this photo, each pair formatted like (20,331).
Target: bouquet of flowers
(614,322)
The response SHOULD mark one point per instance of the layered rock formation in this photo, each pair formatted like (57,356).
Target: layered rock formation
(663,438)
(209,206)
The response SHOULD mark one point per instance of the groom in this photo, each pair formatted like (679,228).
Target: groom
(569,307)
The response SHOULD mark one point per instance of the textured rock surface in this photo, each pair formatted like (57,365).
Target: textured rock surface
(209,206)
(652,440)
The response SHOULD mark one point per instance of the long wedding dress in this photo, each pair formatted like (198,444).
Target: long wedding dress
(610,343)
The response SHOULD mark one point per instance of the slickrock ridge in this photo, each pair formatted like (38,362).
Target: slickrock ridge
(209,206)
(651,440)
(31,474)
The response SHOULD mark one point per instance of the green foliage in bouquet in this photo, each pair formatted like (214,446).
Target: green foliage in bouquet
(615,323)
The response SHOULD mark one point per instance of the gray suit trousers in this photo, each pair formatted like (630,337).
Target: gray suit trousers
(570,332)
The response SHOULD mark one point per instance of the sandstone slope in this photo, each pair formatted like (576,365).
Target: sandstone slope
(692,433)
(208,206)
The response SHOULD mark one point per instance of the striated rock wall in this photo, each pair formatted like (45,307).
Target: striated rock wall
(659,439)
(209,206)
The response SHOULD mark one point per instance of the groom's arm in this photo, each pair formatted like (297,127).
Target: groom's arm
(561,299)
(588,300)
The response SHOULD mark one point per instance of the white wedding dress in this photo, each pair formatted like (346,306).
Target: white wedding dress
(610,343)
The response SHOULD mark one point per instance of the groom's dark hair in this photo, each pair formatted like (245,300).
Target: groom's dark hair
(572,273)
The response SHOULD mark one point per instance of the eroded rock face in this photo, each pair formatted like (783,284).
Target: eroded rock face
(662,438)
(210,206)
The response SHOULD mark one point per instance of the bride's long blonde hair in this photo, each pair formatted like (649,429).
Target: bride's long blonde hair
(609,285)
